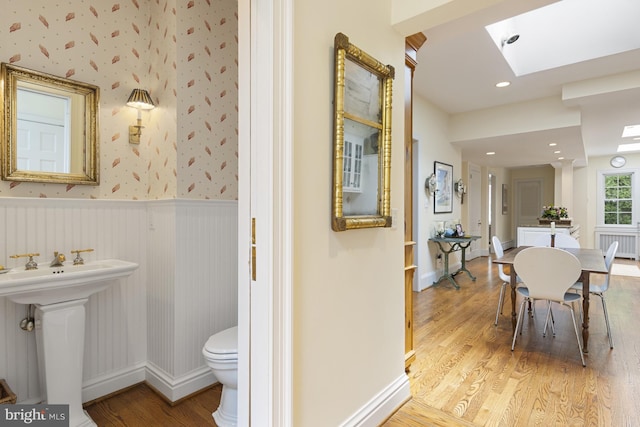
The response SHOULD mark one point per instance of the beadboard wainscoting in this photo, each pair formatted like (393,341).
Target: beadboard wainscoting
(192,289)
(153,323)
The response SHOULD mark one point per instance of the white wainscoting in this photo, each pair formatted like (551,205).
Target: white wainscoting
(153,323)
(192,289)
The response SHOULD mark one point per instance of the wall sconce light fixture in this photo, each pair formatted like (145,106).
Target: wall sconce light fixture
(430,184)
(140,100)
(460,189)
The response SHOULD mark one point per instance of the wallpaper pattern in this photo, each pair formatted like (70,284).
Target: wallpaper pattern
(183,51)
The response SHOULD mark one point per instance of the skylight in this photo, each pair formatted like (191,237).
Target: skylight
(548,40)
(625,148)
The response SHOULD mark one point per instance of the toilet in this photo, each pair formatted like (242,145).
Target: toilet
(221,354)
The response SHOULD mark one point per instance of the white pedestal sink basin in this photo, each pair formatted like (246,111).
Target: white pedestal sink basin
(59,294)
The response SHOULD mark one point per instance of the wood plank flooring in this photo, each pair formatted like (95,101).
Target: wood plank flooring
(141,406)
(465,373)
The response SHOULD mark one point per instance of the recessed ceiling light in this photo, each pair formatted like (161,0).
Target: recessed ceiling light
(503,84)
(552,144)
(625,148)
(631,131)
(560,158)
(490,153)
(556,152)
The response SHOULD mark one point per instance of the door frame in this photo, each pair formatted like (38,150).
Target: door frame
(475,190)
(265,192)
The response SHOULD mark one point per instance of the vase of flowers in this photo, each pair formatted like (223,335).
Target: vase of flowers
(557,214)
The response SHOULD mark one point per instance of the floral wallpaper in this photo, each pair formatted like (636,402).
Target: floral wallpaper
(183,51)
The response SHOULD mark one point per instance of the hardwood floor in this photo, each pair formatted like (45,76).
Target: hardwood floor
(465,373)
(141,406)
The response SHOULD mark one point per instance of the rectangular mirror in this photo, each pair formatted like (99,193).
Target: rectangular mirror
(49,127)
(362,139)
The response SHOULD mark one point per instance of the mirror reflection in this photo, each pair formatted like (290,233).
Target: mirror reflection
(362,139)
(360,165)
(50,128)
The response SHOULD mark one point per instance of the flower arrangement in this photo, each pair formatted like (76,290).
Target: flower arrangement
(554,212)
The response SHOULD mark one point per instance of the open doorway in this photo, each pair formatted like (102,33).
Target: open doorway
(491,215)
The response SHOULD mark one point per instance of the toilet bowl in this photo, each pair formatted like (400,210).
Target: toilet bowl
(221,354)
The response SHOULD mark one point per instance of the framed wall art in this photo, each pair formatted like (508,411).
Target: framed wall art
(505,199)
(443,197)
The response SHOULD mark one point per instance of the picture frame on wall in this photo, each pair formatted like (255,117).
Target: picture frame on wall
(505,202)
(443,196)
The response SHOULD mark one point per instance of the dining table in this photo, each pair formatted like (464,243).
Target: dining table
(591,261)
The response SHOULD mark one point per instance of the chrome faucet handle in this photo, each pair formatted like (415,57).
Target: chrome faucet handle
(31,264)
(78,259)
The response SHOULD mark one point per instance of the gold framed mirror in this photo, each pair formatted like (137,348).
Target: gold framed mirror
(50,128)
(362,139)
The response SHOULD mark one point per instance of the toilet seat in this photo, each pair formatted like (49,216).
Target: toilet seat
(223,345)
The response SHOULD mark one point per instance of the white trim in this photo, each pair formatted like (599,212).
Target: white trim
(175,389)
(384,403)
(265,317)
(244,209)
(115,381)
(283,218)
(427,279)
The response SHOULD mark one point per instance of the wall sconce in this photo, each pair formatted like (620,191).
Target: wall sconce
(140,100)
(460,189)
(430,184)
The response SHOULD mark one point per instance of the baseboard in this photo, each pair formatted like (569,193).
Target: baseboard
(426,280)
(174,389)
(382,405)
(115,381)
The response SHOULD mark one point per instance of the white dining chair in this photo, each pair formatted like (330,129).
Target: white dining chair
(600,289)
(548,273)
(506,279)
(561,241)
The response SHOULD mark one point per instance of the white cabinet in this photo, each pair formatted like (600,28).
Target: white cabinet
(352,166)
(528,235)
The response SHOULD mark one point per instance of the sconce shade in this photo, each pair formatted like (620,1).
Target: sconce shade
(140,99)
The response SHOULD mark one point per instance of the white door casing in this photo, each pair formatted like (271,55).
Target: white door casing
(474,195)
(265,63)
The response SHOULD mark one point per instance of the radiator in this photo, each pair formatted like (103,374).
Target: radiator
(628,242)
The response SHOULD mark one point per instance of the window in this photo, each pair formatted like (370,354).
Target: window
(618,198)
(618,201)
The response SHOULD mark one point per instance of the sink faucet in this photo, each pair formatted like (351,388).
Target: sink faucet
(58,259)
(78,259)
(31,264)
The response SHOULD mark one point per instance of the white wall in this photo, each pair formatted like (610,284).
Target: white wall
(585,194)
(348,313)
(431,130)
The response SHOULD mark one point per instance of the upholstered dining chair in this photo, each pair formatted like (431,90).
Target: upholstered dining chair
(506,280)
(548,274)
(600,289)
(561,241)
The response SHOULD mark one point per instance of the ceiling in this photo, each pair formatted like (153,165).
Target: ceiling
(460,64)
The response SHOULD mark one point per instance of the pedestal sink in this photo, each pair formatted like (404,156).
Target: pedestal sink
(59,294)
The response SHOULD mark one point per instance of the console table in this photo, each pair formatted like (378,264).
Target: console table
(452,244)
